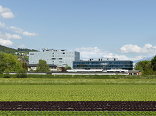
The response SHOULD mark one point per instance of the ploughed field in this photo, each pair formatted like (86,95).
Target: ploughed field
(75,113)
(77,89)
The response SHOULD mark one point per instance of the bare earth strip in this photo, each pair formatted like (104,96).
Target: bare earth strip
(79,106)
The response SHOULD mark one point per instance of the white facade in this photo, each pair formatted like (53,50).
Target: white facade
(60,58)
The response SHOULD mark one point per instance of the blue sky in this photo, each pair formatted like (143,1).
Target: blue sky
(125,29)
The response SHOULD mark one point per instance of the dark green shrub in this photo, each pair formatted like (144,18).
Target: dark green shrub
(21,74)
(6,76)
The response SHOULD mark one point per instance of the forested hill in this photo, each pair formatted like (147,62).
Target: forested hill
(7,49)
(25,50)
(12,50)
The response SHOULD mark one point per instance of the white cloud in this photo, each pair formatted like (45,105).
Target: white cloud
(146,49)
(95,52)
(11,32)
(29,34)
(17,30)
(7,33)
(6,13)
(21,31)
(9,36)
(5,42)
(130,48)
(2,25)
(5,38)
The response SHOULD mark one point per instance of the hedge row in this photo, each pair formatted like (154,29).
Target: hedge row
(81,76)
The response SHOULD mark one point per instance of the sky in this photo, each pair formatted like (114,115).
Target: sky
(123,29)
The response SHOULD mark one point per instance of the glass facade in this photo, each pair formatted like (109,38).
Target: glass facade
(106,65)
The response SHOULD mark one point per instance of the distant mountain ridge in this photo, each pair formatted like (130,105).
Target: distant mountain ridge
(146,58)
(12,50)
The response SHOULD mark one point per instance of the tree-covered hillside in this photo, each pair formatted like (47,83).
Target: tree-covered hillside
(21,53)
(7,49)
(12,50)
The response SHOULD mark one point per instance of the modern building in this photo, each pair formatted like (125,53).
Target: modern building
(104,63)
(63,58)
(60,58)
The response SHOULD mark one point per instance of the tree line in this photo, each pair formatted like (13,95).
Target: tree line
(12,63)
(147,67)
(9,63)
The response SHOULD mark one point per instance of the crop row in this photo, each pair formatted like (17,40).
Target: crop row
(77,92)
(72,113)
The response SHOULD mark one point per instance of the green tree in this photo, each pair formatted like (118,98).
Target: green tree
(9,63)
(144,66)
(153,63)
(42,66)
(67,67)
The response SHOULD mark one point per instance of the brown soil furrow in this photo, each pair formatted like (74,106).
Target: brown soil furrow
(78,106)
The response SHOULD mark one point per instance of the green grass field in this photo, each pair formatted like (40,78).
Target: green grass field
(77,92)
(74,81)
(77,89)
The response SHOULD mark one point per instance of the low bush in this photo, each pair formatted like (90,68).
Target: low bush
(21,74)
(6,76)
(94,76)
